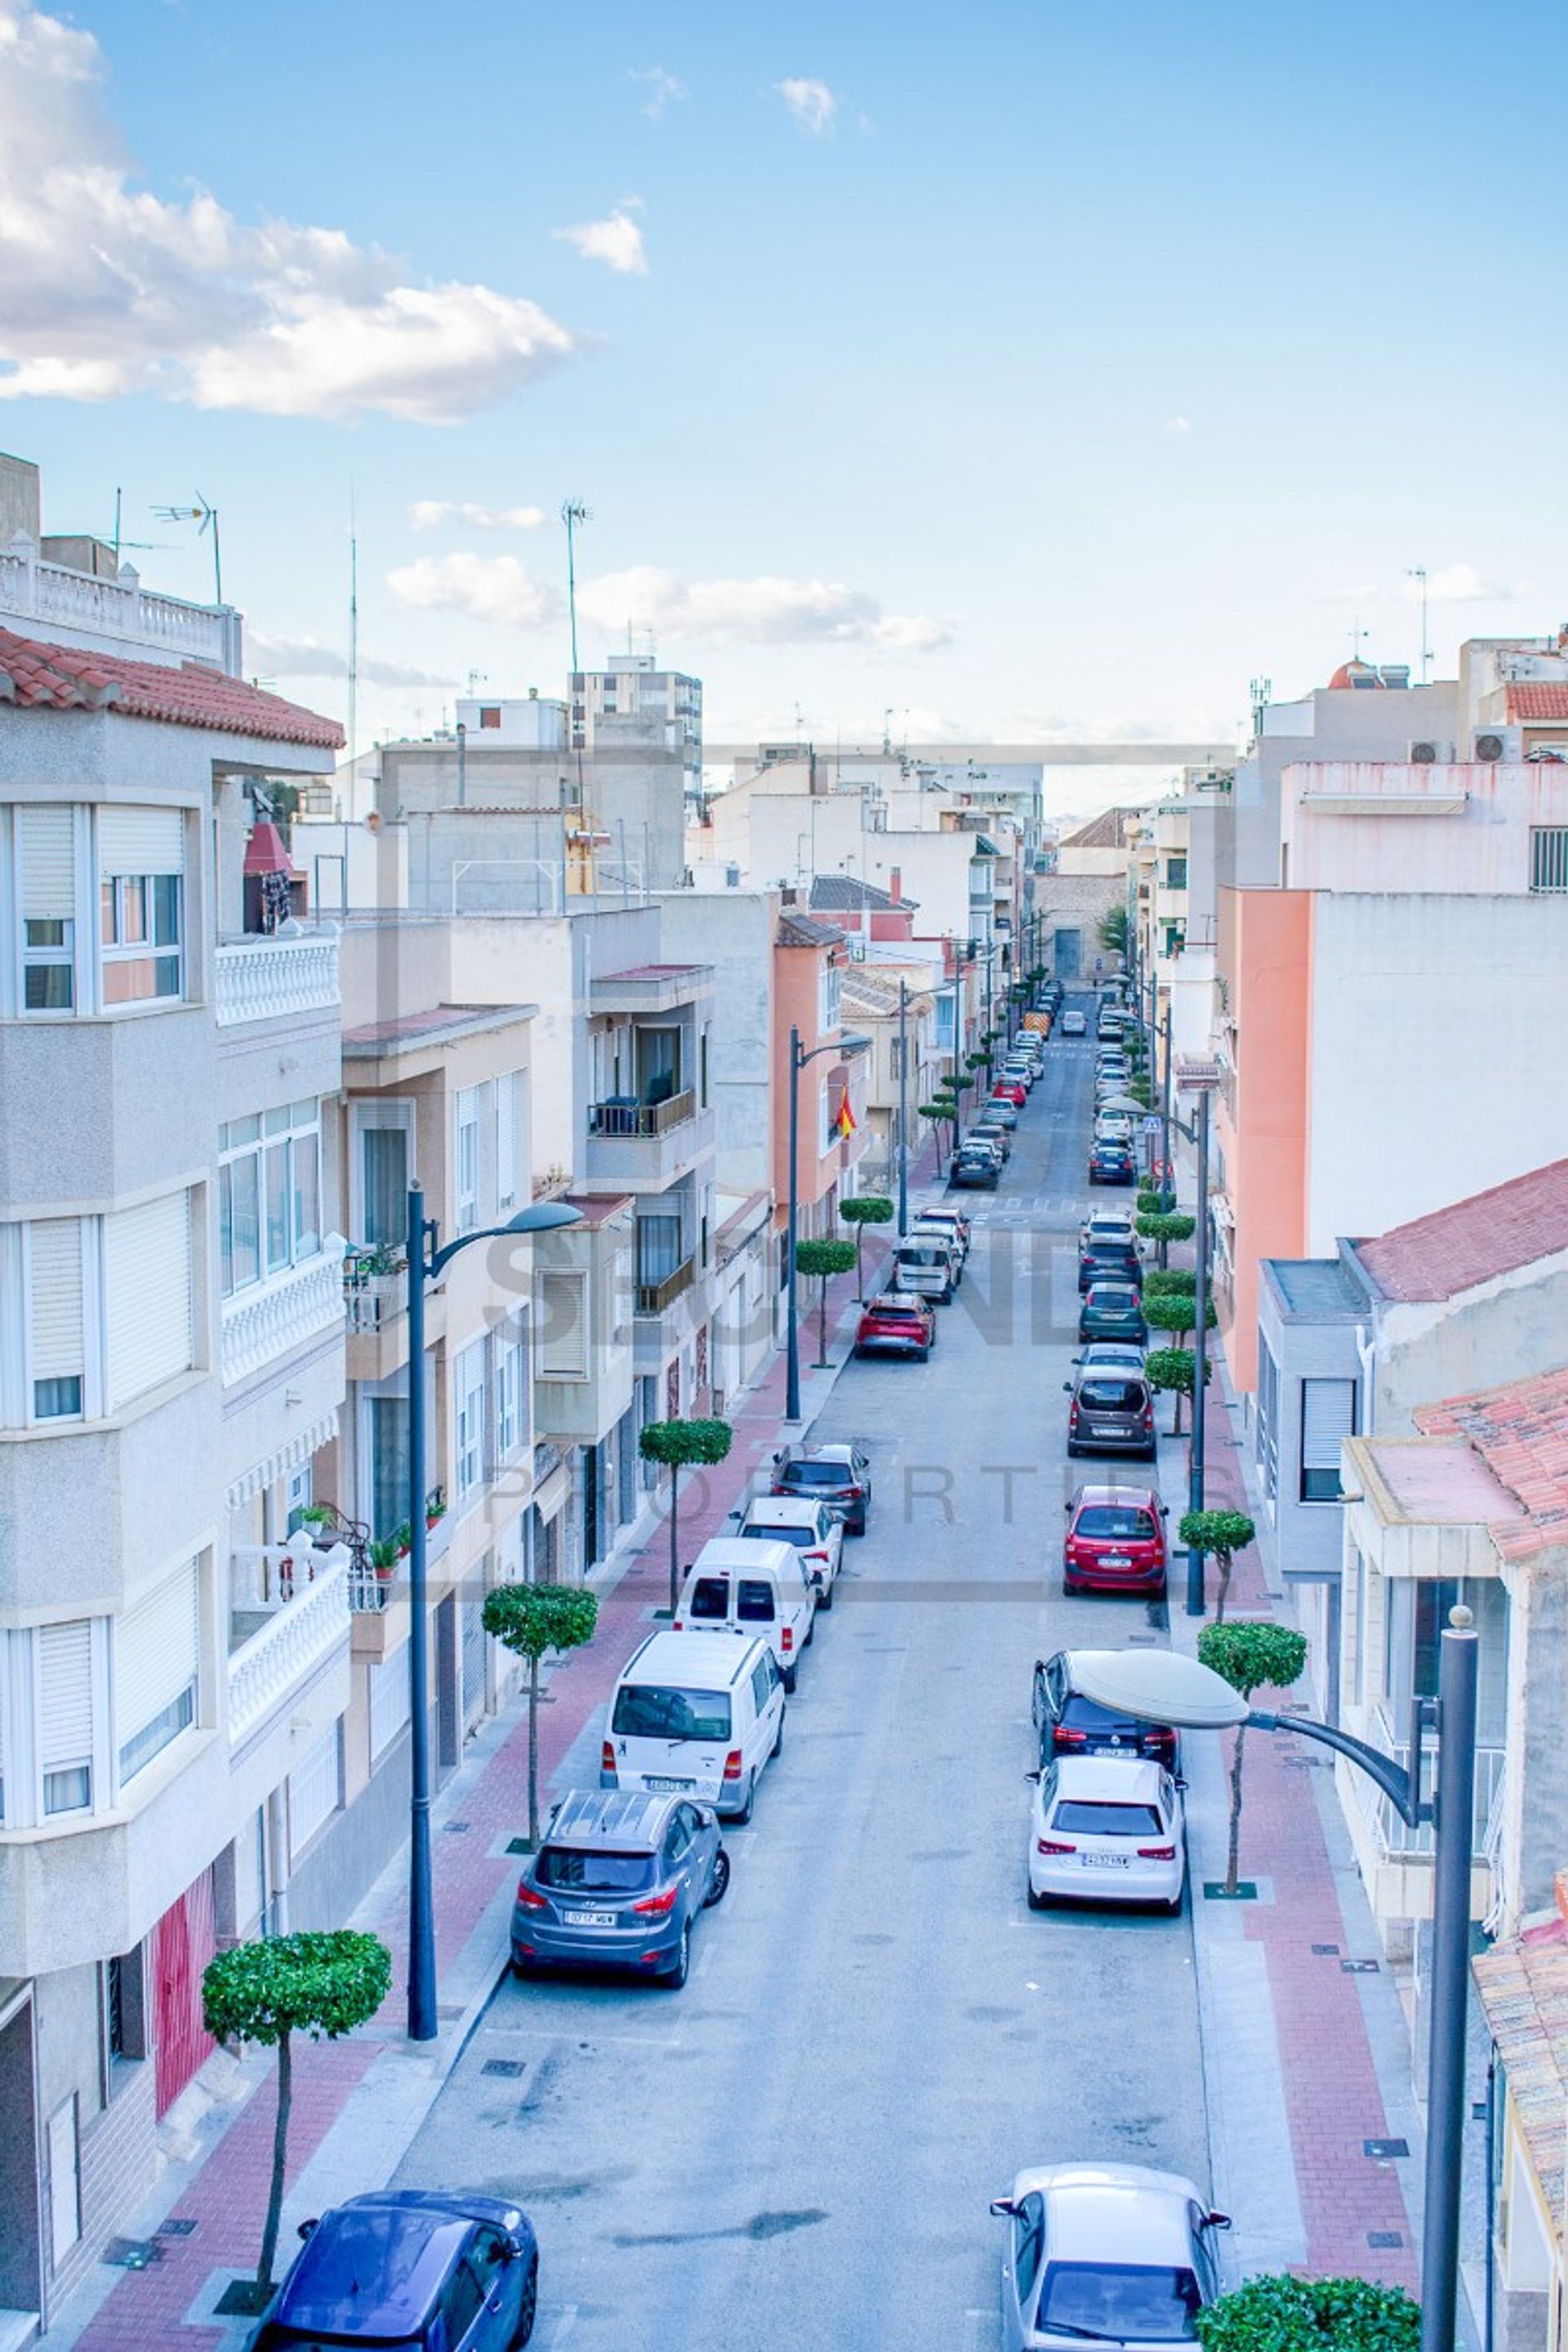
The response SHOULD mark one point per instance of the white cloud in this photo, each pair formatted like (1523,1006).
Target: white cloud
(106,289)
(432,514)
(663,88)
(308,657)
(616,241)
(1459,583)
(812,104)
(1178,424)
(766,611)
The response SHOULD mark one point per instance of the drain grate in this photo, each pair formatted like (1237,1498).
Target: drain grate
(132,2254)
(456,1829)
(1360,1967)
(1326,1951)
(180,2229)
(1384,2237)
(1385,2149)
(507,2069)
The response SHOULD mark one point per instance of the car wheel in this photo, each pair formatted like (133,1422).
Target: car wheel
(719,1882)
(523,1970)
(923,1355)
(777,1747)
(788,1678)
(673,1978)
(825,1598)
(1037,1902)
(1172,1909)
(1073,1450)
(1151,1453)
(528,2308)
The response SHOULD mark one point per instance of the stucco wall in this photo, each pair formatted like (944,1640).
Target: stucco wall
(734,931)
(1264,960)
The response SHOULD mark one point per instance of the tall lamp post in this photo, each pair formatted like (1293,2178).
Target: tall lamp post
(1199,1078)
(903,1110)
(1160,1686)
(798,1058)
(428,1260)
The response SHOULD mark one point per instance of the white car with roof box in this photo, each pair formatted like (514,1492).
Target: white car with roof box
(695,1714)
(764,1589)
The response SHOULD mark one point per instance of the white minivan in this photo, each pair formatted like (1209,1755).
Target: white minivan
(695,1714)
(754,1587)
(928,1268)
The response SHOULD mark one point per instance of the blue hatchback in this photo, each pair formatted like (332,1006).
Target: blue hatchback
(421,2269)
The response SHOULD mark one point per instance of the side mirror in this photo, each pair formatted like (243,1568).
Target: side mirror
(306,2228)
(1004,2208)
(1032,1775)
(1067,1385)
(1216,2221)
(1164,1511)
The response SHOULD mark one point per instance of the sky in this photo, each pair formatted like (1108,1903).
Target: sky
(1026,372)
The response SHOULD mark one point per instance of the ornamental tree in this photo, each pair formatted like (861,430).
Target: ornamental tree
(1276,2314)
(531,1620)
(1174,1372)
(1111,931)
(1220,1533)
(1250,1654)
(1176,1312)
(1170,1282)
(864,1209)
(681,1445)
(1156,1203)
(823,1259)
(323,1983)
(941,1113)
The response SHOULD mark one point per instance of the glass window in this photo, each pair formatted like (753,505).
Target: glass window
(138,937)
(654,1711)
(1327,1418)
(754,1604)
(462,2303)
(470,1382)
(384,1171)
(1120,2302)
(1082,1817)
(467,1171)
(588,1870)
(710,1598)
(1114,1522)
(388,1463)
(1028,2244)
(269,1194)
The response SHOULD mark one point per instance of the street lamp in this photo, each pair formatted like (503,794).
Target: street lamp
(1159,1686)
(904,1110)
(798,1058)
(1200,1078)
(427,1262)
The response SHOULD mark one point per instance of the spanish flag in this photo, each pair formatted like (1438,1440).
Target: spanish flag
(845,1122)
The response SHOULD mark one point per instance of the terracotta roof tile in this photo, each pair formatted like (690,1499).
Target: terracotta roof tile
(1521,1432)
(796,930)
(1523,1988)
(1472,1241)
(1102,832)
(39,677)
(1538,699)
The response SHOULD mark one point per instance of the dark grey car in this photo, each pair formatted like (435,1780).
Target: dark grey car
(617,1883)
(1113,1411)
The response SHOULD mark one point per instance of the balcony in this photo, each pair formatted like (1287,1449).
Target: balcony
(276,1317)
(1397,1840)
(634,1118)
(300,1626)
(376,1300)
(275,979)
(643,1146)
(120,611)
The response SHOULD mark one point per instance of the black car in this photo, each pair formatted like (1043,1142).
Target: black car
(1112,1163)
(974,1171)
(836,1474)
(1071,1725)
(1106,1260)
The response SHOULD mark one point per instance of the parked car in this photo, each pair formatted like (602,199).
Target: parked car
(975,1169)
(987,1130)
(695,1714)
(1113,1355)
(928,1268)
(1073,1023)
(1112,1163)
(1112,1126)
(1021,1067)
(1115,1541)
(1070,1724)
(1108,1258)
(814,1529)
(835,1473)
(1106,1829)
(1111,2253)
(1112,1310)
(1109,1221)
(896,1324)
(995,1147)
(760,1586)
(1012,1091)
(1112,1413)
(414,2267)
(1001,1108)
(943,1225)
(617,1883)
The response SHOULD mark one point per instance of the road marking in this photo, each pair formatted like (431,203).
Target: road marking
(982,2331)
(565,2327)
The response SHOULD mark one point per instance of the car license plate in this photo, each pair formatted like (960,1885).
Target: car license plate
(665,1787)
(1103,1428)
(1103,1861)
(589,1918)
(1108,1559)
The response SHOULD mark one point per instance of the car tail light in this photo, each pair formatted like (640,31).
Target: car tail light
(788,1638)
(657,1906)
(530,1897)
(1149,1416)
(1052,1845)
(1156,1853)
(1072,1414)
(607,1756)
(816,1555)
(677,1627)
(1065,1738)
(732,1765)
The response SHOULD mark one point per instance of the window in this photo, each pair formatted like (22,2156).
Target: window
(489,714)
(382,1171)
(93,1310)
(315,1791)
(124,2008)
(506,1142)
(828,992)
(511,1385)
(56,1338)
(388,1463)
(469,1389)
(141,882)
(157,1656)
(1328,1417)
(1028,2244)
(462,2303)
(269,1194)
(562,1326)
(65,1715)
(896,1057)
(46,840)
(466,1161)
(389,1703)
(147,1293)
(1548,857)
(1358,1680)
(1268,1422)
(1176,873)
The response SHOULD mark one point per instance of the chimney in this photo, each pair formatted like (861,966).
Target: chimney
(895,883)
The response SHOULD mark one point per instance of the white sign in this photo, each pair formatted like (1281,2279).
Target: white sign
(1151,1124)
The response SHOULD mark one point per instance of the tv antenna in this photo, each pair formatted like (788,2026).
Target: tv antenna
(573,513)
(204,514)
(1418,572)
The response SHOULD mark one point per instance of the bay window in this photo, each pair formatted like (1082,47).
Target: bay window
(95,901)
(269,1194)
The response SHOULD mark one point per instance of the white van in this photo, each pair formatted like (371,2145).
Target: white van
(750,1587)
(928,1268)
(695,1714)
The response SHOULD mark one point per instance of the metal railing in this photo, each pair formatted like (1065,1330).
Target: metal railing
(1398,1839)
(374,1288)
(641,1118)
(653,1298)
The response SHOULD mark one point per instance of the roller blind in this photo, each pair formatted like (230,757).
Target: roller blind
(49,864)
(54,1249)
(1327,1418)
(157,1651)
(64,1694)
(562,1333)
(141,841)
(389,1697)
(147,1295)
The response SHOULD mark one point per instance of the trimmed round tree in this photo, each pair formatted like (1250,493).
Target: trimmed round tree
(822,1260)
(681,1445)
(1219,1535)
(323,1983)
(862,1210)
(1165,1226)
(941,1113)
(1276,2314)
(1156,1203)
(1250,1654)
(1176,1312)
(531,1620)
(1170,1282)
(1173,1372)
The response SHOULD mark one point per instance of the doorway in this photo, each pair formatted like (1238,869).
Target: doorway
(19,2255)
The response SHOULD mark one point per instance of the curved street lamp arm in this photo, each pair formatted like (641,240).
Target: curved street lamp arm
(1402,1788)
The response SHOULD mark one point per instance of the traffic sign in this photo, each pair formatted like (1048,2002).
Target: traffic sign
(1151,1124)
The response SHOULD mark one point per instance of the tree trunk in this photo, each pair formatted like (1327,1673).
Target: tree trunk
(859,1284)
(674,1535)
(1223,1559)
(1176,1424)
(533,1753)
(280,2159)
(822,1324)
(1230,1875)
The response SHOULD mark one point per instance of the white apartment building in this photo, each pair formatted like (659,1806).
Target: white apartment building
(173,1671)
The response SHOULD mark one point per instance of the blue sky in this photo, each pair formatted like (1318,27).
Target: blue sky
(1032,370)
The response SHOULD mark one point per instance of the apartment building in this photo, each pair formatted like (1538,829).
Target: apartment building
(809,960)
(173,1674)
(895,1005)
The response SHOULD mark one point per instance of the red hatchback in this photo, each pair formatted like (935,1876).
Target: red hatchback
(1115,1541)
(1011,1090)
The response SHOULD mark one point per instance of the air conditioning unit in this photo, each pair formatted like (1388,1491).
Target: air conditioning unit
(1499,743)
(1422,755)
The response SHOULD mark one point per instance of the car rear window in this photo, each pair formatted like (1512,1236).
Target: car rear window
(815,1473)
(1110,1521)
(762,1533)
(934,1256)
(656,1711)
(888,1315)
(1091,1818)
(592,1871)
(756,1603)
(711,1597)
(1114,1294)
(1112,1396)
(1119,2301)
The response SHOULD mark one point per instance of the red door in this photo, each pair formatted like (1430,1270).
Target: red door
(183,1942)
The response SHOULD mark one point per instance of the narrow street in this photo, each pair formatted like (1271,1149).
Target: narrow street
(877,2033)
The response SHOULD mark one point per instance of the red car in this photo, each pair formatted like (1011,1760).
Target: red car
(1115,1541)
(1011,1090)
(896,1324)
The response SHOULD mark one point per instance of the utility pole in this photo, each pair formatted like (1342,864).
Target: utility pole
(572,512)
(1200,1361)
(904,1111)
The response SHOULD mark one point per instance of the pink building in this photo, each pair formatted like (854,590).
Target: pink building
(809,958)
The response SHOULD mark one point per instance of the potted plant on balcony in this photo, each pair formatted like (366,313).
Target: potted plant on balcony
(435,1506)
(383,1555)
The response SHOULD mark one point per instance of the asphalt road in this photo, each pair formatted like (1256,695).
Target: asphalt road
(798,2149)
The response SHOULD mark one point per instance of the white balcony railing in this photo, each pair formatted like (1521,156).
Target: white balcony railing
(297,1639)
(54,596)
(1396,1836)
(373,1300)
(281,1314)
(270,979)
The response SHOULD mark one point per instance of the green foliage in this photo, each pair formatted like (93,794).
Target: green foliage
(1175,1369)
(974,1061)
(1296,2314)
(820,1258)
(939,1110)
(532,1620)
(1156,1204)
(679,1445)
(1252,1654)
(383,1554)
(1170,1282)
(1175,1311)
(865,1209)
(1167,1225)
(325,1981)
(1221,1533)
(1111,931)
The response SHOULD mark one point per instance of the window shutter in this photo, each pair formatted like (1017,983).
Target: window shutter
(157,1651)
(314,1792)
(563,1332)
(1328,1417)
(64,1694)
(141,841)
(49,862)
(389,1697)
(54,1250)
(147,1294)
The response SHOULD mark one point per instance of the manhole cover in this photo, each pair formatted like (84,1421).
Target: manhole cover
(456,1829)
(1327,1951)
(1360,1967)
(1384,2237)
(1385,2149)
(509,2069)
